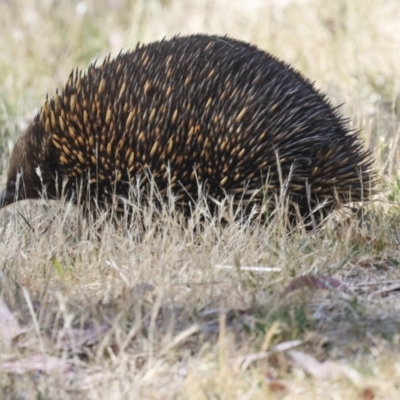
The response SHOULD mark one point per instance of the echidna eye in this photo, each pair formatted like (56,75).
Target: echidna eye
(11,185)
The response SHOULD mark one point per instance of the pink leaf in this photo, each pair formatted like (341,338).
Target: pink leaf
(9,324)
(314,282)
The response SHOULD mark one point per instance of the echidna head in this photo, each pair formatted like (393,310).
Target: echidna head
(21,178)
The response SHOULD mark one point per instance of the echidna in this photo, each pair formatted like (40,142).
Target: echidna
(196,109)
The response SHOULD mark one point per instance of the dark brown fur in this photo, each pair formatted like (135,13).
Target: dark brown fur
(193,109)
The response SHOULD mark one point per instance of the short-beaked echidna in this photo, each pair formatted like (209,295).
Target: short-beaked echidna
(196,109)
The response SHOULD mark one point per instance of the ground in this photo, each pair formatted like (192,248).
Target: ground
(90,310)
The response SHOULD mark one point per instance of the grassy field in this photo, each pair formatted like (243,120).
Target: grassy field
(230,312)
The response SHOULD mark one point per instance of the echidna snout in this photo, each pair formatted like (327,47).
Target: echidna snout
(22,180)
(192,109)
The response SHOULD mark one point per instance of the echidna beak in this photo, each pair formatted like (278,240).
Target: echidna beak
(6,197)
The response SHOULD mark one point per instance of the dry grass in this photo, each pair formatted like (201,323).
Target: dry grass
(102,312)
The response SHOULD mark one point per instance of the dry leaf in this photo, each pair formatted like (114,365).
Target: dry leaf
(367,394)
(250,268)
(94,379)
(314,282)
(181,337)
(288,345)
(9,324)
(76,339)
(395,287)
(243,362)
(37,362)
(276,386)
(327,369)
(142,288)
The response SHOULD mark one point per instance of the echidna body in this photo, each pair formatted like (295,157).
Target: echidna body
(197,109)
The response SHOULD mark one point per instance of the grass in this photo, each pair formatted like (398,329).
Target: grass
(97,311)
